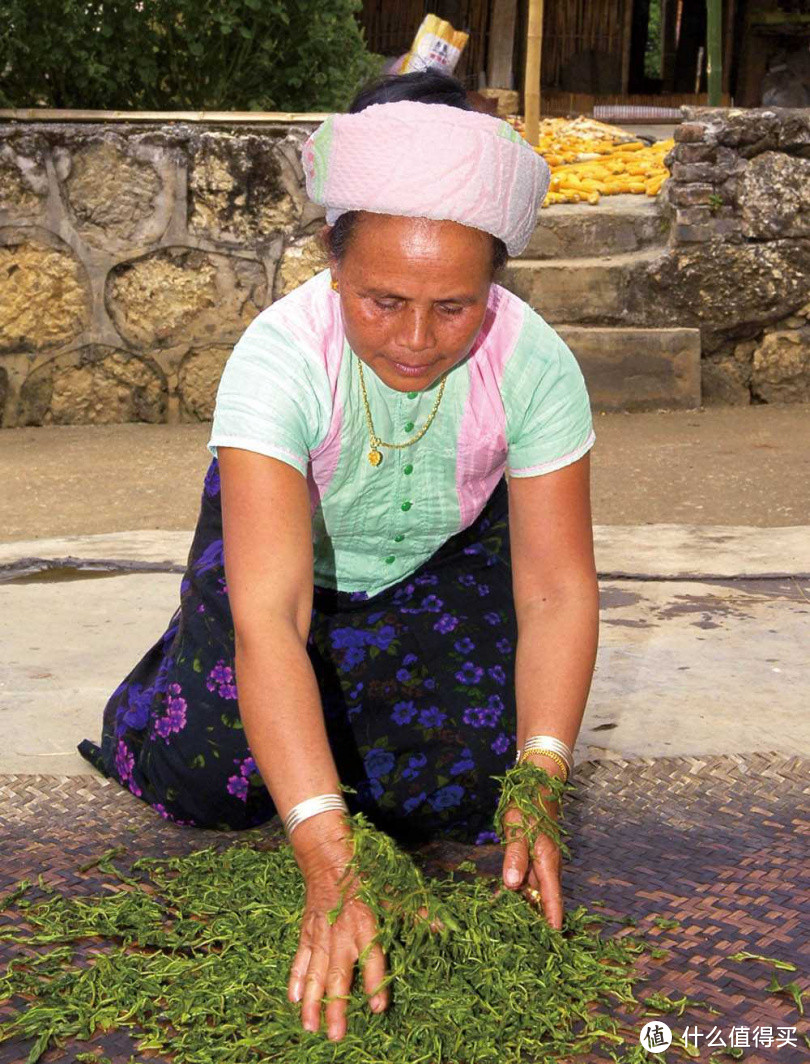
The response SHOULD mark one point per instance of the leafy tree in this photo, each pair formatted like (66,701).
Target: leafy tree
(268,55)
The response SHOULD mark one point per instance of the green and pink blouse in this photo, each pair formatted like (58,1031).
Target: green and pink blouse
(518,403)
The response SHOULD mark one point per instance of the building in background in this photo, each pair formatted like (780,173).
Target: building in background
(626,54)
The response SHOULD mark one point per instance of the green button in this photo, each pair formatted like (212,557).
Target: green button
(406,505)
(408,469)
(399,537)
(412,395)
(408,426)
(389,559)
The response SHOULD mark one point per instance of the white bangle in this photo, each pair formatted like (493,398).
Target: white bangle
(311,807)
(549,742)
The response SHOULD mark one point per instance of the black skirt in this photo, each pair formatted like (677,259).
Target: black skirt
(417,686)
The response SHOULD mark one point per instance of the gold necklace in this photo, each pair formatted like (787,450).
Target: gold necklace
(374,455)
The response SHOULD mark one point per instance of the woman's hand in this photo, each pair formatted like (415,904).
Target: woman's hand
(541,871)
(324,962)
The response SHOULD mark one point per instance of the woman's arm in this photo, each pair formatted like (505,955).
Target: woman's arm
(556,596)
(267,537)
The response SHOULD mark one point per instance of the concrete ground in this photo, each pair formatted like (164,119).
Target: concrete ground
(702,539)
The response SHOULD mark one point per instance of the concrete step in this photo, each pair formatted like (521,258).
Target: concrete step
(637,369)
(582,291)
(615,226)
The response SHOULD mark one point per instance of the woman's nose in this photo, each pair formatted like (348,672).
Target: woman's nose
(417,333)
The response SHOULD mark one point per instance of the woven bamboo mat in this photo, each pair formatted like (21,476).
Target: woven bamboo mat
(721,844)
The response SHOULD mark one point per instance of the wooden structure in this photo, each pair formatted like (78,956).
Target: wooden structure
(593,51)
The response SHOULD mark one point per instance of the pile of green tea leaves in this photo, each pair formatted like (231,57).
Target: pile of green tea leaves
(195,951)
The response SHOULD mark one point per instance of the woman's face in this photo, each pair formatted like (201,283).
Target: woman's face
(413,293)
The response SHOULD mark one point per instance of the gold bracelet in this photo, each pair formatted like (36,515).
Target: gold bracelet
(552,755)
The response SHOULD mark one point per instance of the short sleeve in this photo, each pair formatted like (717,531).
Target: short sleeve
(273,395)
(552,425)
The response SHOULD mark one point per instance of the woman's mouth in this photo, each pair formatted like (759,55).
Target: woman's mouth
(412,371)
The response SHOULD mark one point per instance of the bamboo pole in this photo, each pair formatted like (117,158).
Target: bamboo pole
(531,84)
(714,62)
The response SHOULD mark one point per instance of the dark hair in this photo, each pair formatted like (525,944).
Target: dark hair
(424,86)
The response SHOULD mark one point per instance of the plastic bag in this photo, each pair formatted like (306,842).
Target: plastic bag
(436,44)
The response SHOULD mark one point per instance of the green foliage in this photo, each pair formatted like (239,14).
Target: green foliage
(652,48)
(244,55)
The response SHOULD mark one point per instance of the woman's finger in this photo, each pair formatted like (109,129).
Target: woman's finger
(338,985)
(315,980)
(516,853)
(298,969)
(546,872)
(374,971)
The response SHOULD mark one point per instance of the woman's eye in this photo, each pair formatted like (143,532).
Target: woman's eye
(386,304)
(452,311)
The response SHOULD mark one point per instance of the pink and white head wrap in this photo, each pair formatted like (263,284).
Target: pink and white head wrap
(428,160)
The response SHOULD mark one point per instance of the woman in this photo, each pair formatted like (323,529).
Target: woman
(398,617)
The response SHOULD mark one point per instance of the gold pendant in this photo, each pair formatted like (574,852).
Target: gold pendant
(374,457)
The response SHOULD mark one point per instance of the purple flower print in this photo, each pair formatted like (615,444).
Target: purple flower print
(411,803)
(384,637)
(428,578)
(238,787)
(211,482)
(492,617)
(211,557)
(446,623)
(176,708)
(469,673)
(429,683)
(464,763)
(343,638)
(495,702)
(465,645)
(228,691)
(404,593)
(124,761)
(503,646)
(353,656)
(490,716)
(474,548)
(483,589)
(358,596)
(139,700)
(447,796)
(404,712)
(370,787)
(486,836)
(501,744)
(201,608)
(432,717)
(220,674)
(248,767)
(474,716)
(355,693)
(497,674)
(415,766)
(378,762)
(467,580)
(431,604)
(410,659)
(403,675)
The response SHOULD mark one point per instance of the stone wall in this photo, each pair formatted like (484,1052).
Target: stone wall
(133,256)
(738,261)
